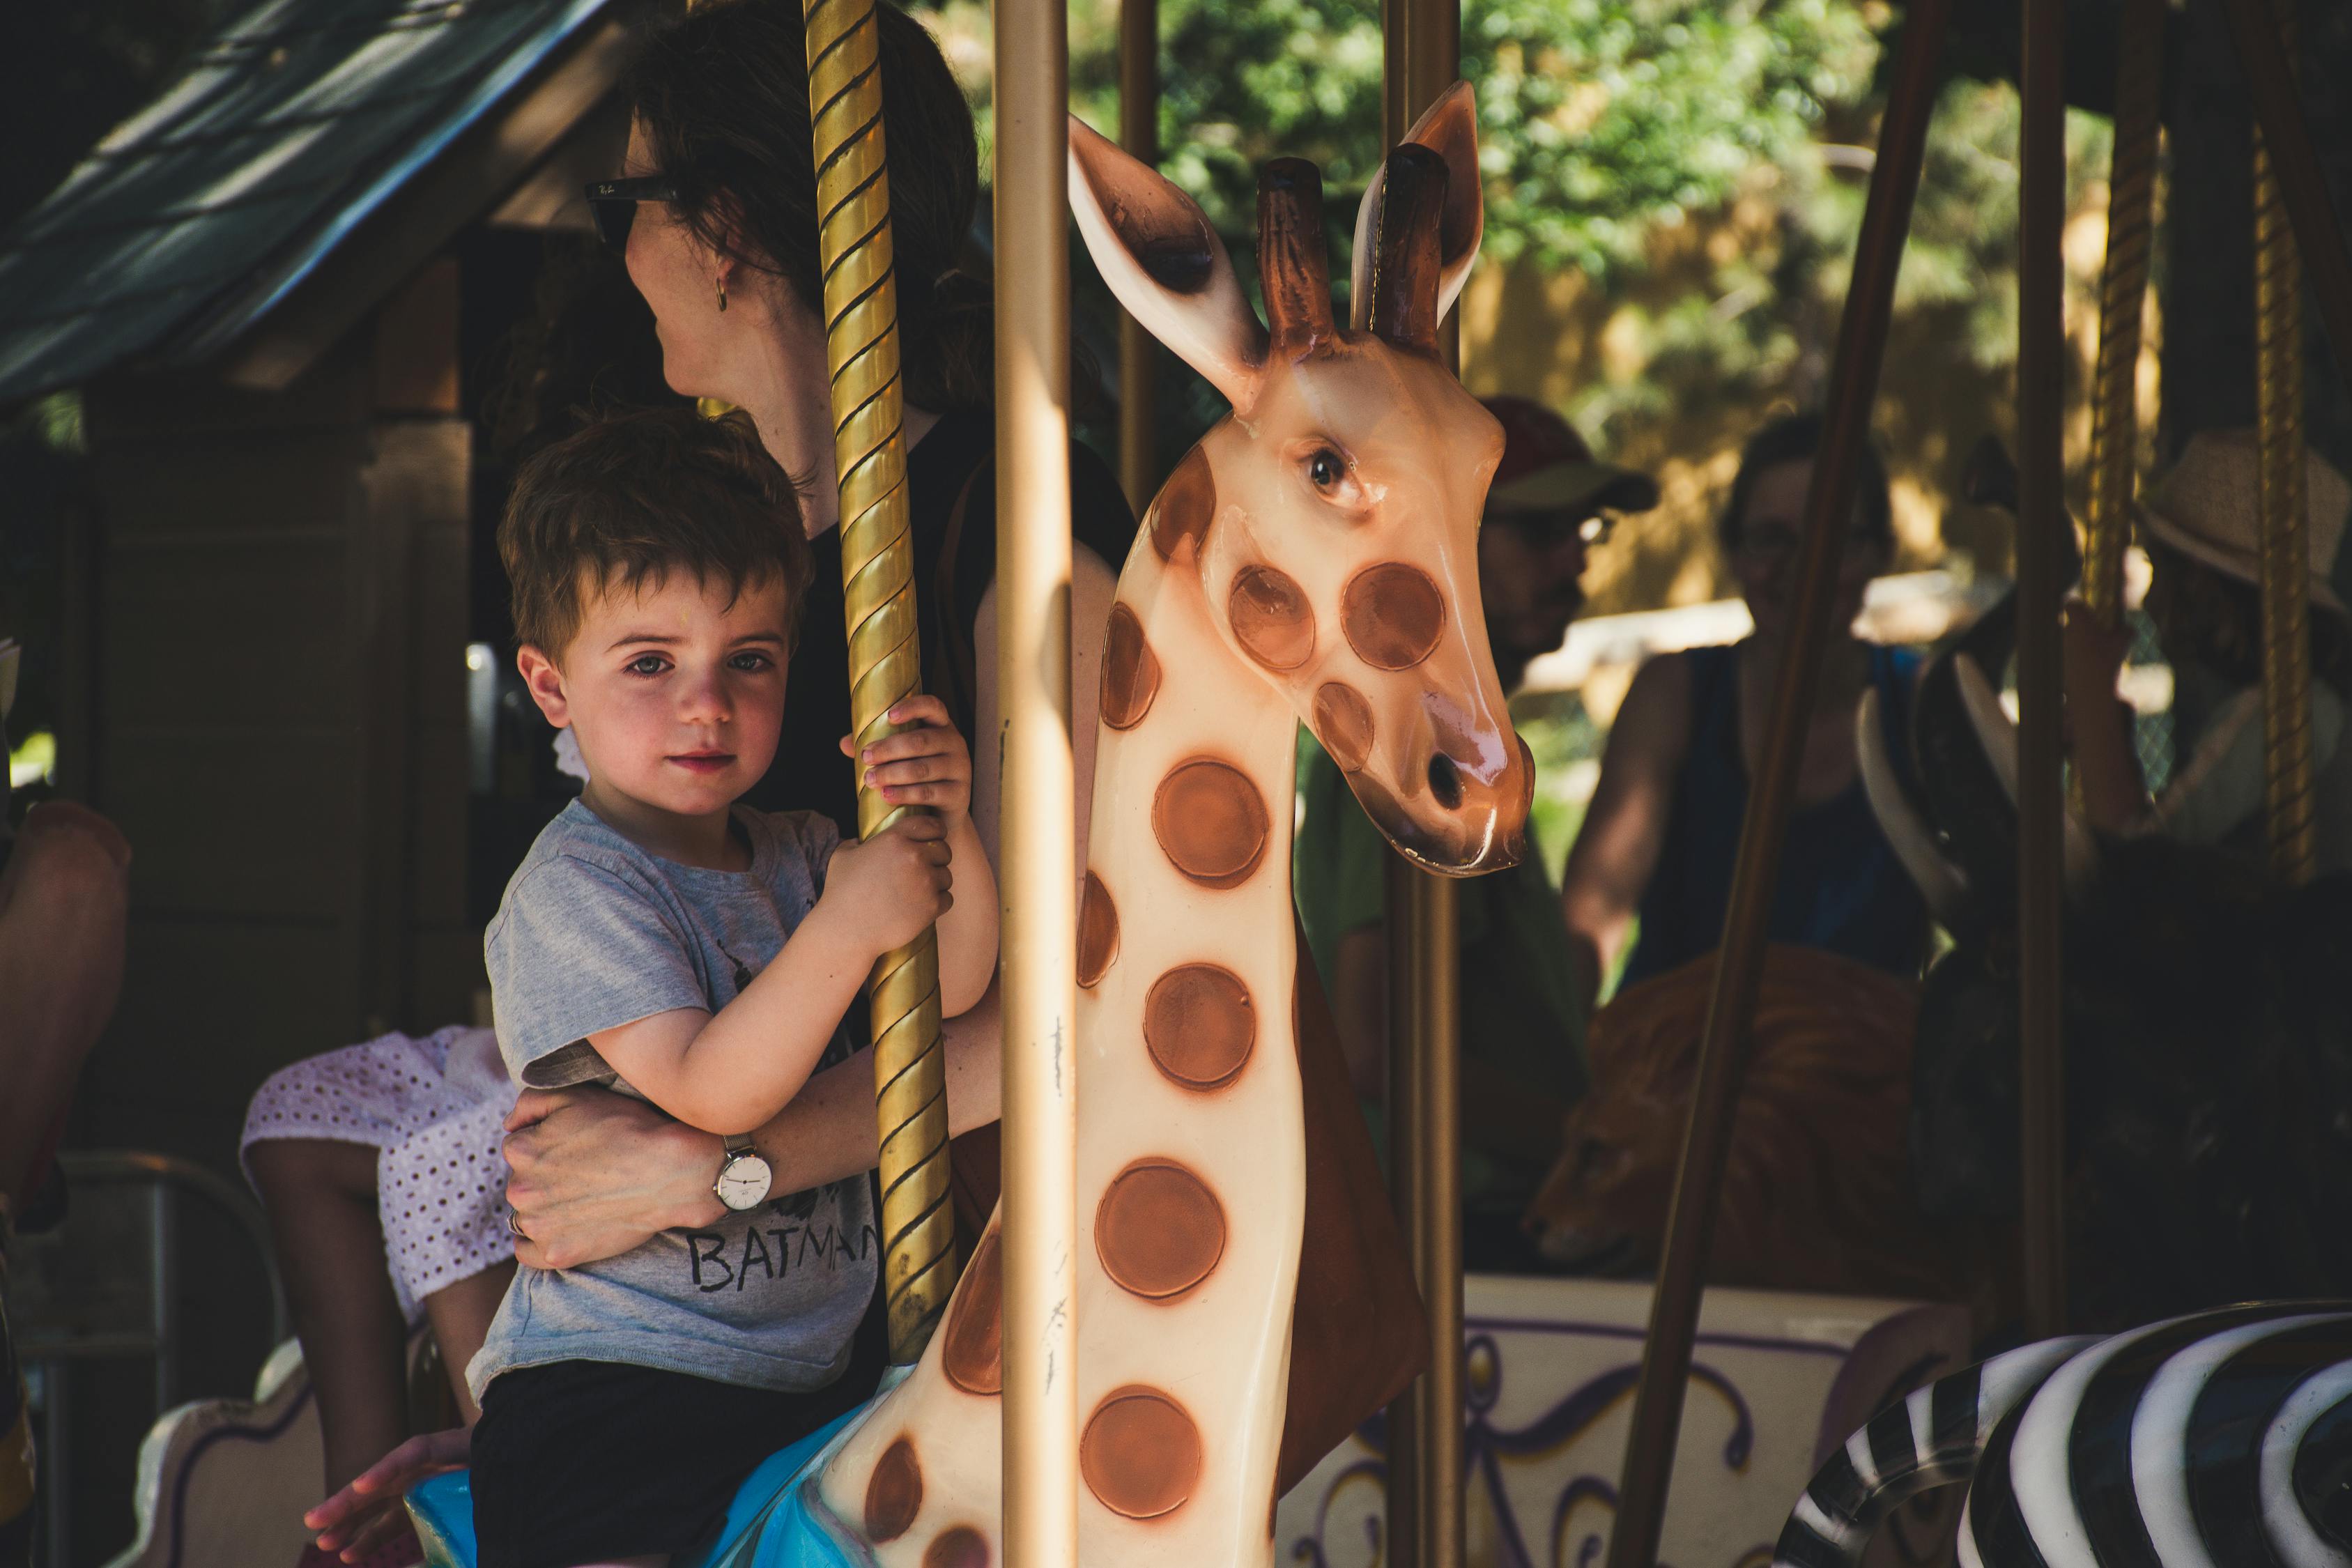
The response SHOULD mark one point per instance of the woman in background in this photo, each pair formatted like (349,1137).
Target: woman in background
(1662,834)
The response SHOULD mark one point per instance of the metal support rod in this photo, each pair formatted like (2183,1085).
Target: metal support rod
(1138,351)
(163,1291)
(2042,513)
(2286,141)
(1723,1048)
(2123,300)
(1040,870)
(2290,787)
(1406,1162)
(1422,57)
(870,455)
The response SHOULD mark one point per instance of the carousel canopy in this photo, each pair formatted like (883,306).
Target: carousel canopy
(297,134)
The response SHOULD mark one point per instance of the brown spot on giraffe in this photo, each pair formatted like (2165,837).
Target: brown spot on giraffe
(1140,1453)
(1200,1026)
(894,1493)
(1159,1229)
(1211,821)
(1097,931)
(1180,517)
(1131,671)
(1343,723)
(973,1356)
(1392,614)
(958,1546)
(1271,617)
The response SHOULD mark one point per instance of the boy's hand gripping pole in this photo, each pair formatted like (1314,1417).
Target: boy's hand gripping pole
(870,455)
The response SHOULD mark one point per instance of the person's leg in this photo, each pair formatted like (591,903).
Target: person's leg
(459,1314)
(63,902)
(321,1199)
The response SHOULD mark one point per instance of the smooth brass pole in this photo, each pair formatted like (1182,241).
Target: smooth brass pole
(1040,870)
(1739,965)
(1421,57)
(2123,298)
(2041,791)
(2291,790)
(1138,351)
(869,454)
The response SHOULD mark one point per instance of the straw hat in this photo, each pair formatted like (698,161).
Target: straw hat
(2206,509)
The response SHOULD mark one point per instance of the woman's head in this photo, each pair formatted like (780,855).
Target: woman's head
(719,108)
(2209,617)
(1763,522)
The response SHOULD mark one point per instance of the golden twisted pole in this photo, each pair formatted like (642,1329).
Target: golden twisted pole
(2122,296)
(869,456)
(2291,792)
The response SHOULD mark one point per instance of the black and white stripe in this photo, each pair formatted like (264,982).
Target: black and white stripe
(2220,1440)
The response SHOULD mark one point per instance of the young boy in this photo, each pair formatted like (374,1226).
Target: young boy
(698,955)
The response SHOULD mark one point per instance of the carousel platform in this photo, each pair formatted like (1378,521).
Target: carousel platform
(1777,1379)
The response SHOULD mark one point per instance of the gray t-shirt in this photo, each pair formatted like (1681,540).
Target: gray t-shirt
(594,932)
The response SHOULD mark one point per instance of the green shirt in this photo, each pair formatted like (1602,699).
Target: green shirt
(1520,1015)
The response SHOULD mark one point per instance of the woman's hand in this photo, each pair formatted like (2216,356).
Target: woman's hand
(2093,654)
(926,764)
(370,1511)
(592,1174)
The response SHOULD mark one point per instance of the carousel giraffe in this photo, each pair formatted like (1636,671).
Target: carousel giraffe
(1314,558)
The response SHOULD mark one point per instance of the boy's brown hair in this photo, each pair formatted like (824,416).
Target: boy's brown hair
(627,501)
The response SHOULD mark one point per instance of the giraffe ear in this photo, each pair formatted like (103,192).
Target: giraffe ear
(1156,250)
(1450,129)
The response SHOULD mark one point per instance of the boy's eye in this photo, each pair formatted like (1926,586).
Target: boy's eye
(647,664)
(753,660)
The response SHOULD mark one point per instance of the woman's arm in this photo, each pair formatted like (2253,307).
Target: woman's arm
(1093,586)
(2099,725)
(592,1174)
(1625,827)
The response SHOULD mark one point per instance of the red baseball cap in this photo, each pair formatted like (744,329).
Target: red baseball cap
(1547,467)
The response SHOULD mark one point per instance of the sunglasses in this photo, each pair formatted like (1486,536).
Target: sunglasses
(613,204)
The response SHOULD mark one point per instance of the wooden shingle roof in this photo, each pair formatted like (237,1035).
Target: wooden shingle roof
(286,133)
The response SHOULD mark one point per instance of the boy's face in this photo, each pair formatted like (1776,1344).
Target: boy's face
(674,694)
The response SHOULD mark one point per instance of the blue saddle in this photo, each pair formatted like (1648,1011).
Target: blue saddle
(769,1524)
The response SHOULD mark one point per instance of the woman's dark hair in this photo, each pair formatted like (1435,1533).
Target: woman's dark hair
(722,97)
(1794,437)
(2217,619)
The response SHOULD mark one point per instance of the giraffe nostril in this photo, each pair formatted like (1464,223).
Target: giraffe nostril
(1444,780)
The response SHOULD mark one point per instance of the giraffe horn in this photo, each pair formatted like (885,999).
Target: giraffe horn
(1407,256)
(1293,262)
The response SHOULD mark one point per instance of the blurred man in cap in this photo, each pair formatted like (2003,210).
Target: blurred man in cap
(1550,501)
(1522,1021)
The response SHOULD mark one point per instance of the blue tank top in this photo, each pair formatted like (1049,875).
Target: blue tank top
(1841,886)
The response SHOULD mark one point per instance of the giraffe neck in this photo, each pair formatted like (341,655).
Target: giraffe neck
(1191,1162)
(1192,1151)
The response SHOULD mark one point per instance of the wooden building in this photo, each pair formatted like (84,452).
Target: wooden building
(274,290)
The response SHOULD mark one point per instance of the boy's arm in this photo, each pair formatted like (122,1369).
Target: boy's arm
(968,931)
(731,1071)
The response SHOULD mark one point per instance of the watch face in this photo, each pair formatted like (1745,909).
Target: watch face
(743,1184)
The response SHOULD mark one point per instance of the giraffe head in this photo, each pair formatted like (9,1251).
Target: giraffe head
(1330,521)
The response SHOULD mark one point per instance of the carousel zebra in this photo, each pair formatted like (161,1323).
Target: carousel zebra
(2222,1440)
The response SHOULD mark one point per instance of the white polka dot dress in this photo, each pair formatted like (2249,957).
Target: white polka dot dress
(432,1107)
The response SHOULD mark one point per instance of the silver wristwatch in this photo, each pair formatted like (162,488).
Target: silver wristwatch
(744,1175)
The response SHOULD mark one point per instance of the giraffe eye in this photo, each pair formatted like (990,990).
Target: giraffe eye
(1324,469)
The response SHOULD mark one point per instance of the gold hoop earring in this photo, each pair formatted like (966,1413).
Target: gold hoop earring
(722,296)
